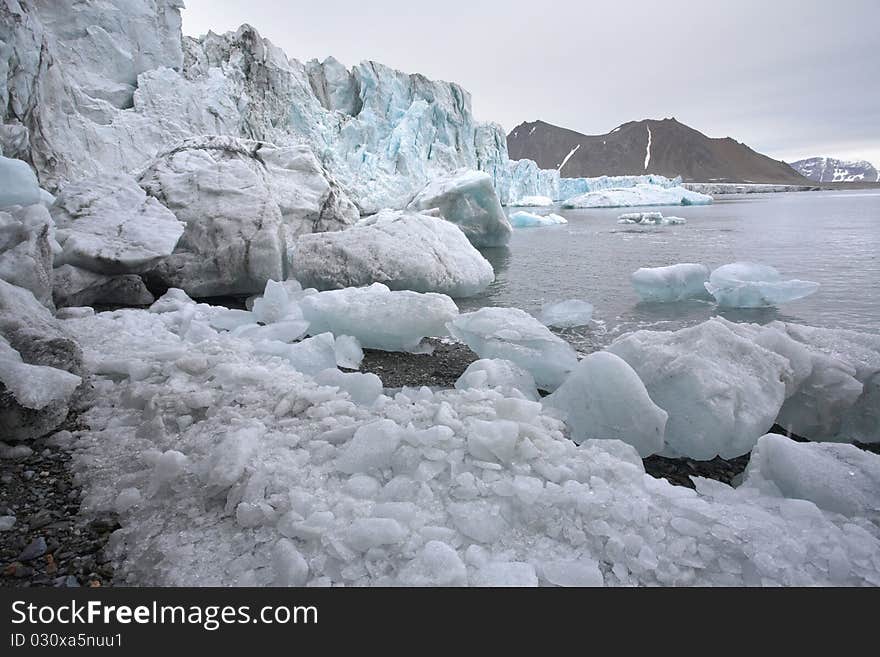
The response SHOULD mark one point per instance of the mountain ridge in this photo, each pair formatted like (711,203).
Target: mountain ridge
(834,170)
(651,146)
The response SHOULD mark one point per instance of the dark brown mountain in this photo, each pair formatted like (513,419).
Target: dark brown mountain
(675,150)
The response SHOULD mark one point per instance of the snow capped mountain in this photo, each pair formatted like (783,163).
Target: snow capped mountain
(828,169)
(666,147)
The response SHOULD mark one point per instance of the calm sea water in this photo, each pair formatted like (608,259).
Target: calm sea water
(832,238)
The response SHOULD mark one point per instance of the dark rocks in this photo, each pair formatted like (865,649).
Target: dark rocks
(36,548)
(439,369)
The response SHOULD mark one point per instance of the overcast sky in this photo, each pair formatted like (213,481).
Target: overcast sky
(790,78)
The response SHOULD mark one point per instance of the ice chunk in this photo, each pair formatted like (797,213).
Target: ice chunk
(27,247)
(379,318)
(310,356)
(467,199)
(841,478)
(110,226)
(288,564)
(437,564)
(640,194)
(506,573)
(275,304)
(73,286)
(582,573)
(749,285)
(404,251)
(722,391)
(523,219)
(362,388)
(672,283)
(605,398)
(498,373)
(348,352)
(567,314)
(512,334)
(366,533)
(18,183)
(371,448)
(649,219)
(34,386)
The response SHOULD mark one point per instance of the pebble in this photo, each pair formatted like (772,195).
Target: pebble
(36,548)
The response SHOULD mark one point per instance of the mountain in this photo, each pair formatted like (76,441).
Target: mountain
(828,170)
(664,147)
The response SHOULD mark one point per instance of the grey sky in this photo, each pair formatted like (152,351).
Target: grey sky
(791,78)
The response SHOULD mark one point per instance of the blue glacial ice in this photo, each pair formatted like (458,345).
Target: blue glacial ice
(671,283)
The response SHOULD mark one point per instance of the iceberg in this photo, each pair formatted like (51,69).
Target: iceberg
(467,199)
(523,219)
(641,194)
(403,251)
(671,283)
(242,202)
(111,226)
(567,314)
(750,285)
(569,187)
(605,399)
(834,477)
(650,219)
(378,317)
(722,391)
(514,335)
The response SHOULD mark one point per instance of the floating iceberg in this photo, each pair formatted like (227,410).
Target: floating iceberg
(749,285)
(523,219)
(722,391)
(378,317)
(650,219)
(512,334)
(497,373)
(839,478)
(467,199)
(567,314)
(569,187)
(639,195)
(672,283)
(404,251)
(604,398)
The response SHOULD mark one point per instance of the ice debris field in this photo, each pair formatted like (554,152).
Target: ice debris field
(244,446)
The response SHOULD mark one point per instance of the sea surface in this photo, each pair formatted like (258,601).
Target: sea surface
(831,237)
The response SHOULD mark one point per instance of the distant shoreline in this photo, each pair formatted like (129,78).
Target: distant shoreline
(721,188)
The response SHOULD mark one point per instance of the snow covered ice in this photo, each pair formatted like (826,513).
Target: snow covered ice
(604,398)
(523,219)
(404,251)
(671,283)
(567,314)
(512,334)
(750,285)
